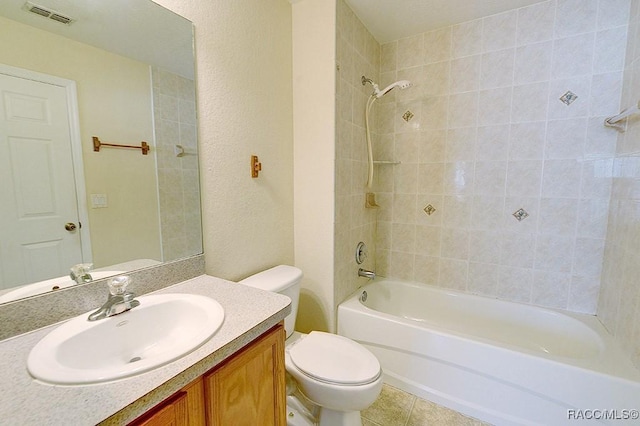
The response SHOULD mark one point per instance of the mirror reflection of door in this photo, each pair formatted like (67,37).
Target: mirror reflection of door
(40,231)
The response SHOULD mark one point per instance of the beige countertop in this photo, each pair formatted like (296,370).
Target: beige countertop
(249,312)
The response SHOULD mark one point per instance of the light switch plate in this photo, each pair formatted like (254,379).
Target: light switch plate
(99,201)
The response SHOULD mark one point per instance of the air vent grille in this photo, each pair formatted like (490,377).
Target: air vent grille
(48,13)
(40,11)
(61,18)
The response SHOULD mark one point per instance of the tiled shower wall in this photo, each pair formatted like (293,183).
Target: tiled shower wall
(619,304)
(358,54)
(179,196)
(505,113)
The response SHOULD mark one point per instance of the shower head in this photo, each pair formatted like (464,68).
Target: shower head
(402,84)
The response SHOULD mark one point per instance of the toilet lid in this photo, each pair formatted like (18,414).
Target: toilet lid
(331,358)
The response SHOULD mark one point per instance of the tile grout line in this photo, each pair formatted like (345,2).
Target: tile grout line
(413,404)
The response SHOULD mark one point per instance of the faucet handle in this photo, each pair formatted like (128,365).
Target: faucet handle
(118,285)
(81,269)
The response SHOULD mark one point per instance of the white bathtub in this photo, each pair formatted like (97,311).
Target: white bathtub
(501,362)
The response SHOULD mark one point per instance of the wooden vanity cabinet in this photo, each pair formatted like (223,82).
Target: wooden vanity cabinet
(184,408)
(249,388)
(246,389)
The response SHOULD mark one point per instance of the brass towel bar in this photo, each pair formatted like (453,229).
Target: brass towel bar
(97,144)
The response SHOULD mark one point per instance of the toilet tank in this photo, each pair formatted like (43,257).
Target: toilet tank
(282,279)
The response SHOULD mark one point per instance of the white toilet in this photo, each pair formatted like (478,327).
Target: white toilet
(335,373)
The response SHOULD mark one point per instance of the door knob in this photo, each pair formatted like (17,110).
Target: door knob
(70,226)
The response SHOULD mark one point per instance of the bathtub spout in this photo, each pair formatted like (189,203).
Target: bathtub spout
(367,274)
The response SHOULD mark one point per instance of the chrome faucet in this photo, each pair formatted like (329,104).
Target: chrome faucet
(367,274)
(80,273)
(120,300)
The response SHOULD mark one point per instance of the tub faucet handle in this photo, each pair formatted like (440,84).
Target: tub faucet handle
(366,274)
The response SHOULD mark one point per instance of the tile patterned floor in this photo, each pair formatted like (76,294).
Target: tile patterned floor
(395,407)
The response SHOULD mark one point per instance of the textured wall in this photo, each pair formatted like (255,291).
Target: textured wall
(314,27)
(486,134)
(619,304)
(244,83)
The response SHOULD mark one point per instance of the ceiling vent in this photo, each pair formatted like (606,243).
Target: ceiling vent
(48,13)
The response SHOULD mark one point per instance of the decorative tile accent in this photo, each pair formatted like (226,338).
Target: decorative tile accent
(429,209)
(568,97)
(407,116)
(521,214)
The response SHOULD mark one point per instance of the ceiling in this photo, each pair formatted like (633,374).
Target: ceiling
(389,20)
(133,29)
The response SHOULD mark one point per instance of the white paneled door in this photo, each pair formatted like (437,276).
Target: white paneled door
(39,222)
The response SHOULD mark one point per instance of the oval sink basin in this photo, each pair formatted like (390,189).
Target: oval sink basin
(163,328)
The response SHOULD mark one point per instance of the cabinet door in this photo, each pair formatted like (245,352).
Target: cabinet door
(173,412)
(249,388)
(185,408)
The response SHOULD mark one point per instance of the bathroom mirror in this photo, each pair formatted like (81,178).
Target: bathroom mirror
(130,66)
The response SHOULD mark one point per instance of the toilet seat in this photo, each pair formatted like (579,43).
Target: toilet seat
(334,359)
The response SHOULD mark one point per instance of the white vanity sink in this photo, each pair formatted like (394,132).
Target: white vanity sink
(163,328)
(51,285)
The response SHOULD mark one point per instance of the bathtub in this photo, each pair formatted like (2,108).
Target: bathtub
(501,362)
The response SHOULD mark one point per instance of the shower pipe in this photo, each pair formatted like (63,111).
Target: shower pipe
(377,94)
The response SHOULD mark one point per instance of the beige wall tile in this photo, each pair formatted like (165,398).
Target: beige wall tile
(536,23)
(499,31)
(490,135)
